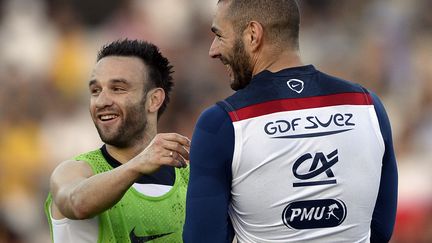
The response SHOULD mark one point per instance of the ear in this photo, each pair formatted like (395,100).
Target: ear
(155,98)
(254,35)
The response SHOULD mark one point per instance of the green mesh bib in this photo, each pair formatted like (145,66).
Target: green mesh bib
(138,218)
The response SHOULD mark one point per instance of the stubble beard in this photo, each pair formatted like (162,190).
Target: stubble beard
(130,131)
(241,66)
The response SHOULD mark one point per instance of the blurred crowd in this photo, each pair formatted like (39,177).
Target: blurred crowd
(48,48)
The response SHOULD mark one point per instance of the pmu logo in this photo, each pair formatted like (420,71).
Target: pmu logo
(314,214)
(319,164)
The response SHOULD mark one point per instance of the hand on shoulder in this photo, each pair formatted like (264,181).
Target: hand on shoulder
(170,149)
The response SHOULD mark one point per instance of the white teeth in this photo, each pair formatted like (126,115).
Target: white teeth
(107,117)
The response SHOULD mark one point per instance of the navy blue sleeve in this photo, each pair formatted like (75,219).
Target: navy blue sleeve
(209,190)
(384,215)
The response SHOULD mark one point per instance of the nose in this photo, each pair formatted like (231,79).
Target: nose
(103,100)
(214,50)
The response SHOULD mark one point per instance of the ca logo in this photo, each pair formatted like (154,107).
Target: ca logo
(319,164)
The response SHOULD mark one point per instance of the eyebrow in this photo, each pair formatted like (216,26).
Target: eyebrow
(112,81)
(119,81)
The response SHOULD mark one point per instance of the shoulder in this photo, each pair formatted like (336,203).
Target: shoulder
(335,84)
(213,136)
(70,170)
(379,107)
(81,162)
(72,164)
(376,101)
(383,118)
(214,112)
(212,119)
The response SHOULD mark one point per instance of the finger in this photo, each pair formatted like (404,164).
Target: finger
(172,161)
(175,137)
(183,152)
(180,160)
(176,147)
(182,163)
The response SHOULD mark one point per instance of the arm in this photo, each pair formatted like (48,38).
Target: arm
(78,194)
(209,190)
(384,215)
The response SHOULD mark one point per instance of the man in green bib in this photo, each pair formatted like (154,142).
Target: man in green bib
(133,188)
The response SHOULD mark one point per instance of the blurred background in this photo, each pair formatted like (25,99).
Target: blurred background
(48,48)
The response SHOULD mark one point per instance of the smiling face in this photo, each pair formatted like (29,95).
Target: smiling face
(228,46)
(117,102)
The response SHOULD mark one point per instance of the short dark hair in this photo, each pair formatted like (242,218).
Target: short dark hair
(159,67)
(280,18)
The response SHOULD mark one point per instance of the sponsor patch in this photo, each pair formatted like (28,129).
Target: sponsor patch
(312,214)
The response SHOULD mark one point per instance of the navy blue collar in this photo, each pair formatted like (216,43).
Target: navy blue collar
(164,176)
(292,71)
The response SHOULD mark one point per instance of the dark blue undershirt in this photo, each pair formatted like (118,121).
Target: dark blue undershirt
(384,214)
(164,176)
(209,190)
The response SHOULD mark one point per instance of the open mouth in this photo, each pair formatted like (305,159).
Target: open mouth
(107,117)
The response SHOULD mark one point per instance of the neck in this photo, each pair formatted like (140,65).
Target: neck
(275,60)
(123,155)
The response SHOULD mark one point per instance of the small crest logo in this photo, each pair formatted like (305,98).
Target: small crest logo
(296,85)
